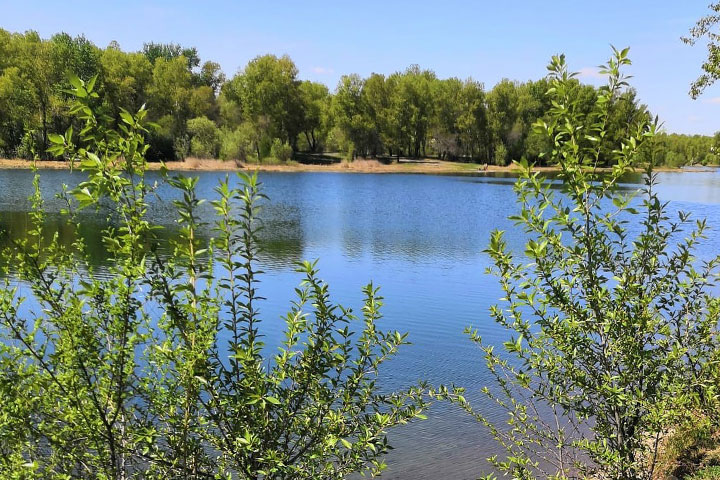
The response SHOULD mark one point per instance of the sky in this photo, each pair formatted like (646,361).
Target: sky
(485,40)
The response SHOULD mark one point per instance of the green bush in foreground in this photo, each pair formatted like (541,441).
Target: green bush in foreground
(156,367)
(612,319)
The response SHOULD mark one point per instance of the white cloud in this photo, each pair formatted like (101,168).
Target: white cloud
(323,70)
(712,100)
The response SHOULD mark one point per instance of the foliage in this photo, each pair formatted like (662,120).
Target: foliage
(236,144)
(204,137)
(155,367)
(680,150)
(704,29)
(709,473)
(612,319)
(280,151)
(408,113)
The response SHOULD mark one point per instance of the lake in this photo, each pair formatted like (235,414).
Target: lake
(420,238)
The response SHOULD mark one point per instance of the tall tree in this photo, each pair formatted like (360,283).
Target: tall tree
(268,93)
(315,105)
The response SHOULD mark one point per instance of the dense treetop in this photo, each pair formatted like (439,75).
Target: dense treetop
(266,111)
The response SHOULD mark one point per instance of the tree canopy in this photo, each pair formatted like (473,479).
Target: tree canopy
(409,113)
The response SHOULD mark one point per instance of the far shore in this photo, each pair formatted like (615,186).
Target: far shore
(427,166)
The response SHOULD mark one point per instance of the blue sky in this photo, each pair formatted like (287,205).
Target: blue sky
(486,40)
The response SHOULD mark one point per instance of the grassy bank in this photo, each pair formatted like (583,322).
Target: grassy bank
(429,166)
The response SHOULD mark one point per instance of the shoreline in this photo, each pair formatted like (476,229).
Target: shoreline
(427,167)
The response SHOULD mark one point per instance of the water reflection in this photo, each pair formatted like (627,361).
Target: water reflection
(419,237)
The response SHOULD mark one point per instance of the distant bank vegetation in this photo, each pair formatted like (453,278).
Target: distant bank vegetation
(265,113)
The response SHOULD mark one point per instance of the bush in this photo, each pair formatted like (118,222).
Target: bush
(155,368)
(204,137)
(281,151)
(181,147)
(613,331)
(237,144)
(29,145)
(689,447)
(500,154)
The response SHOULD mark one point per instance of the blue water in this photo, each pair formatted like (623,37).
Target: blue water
(420,238)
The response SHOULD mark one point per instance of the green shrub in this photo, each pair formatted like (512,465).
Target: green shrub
(687,447)
(161,140)
(280,150)
(612,329)
(236,144)
(204,137)
(709,473)
(350,153)
(500,154)
(155,367)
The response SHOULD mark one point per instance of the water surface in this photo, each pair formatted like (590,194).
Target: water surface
(420,238)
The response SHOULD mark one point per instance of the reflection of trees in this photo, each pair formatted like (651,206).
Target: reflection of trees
(15,226)
(281,238)
(280,244)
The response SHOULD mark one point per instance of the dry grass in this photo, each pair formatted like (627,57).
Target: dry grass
(689,450)
(361,165)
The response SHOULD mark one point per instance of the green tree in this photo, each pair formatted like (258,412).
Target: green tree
(268,92)
(125,79)
(16,106)
(316,103)
(613,330)
(204,137)
(473,123)
(211,76)
(43,73)
(503,116)
(412,107)
(350,113)
(169,51)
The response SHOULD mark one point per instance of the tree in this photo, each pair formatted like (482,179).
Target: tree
(125,80)
(77,55)
(202,102)
(169,95)
(16,106)
(212,76)
(502,117)
(613,330)
(204,137)
(350,113)
(268,92)
(703,29)
(315,100)
(412,108)
(473,124)
(170,88)
(169,51)
(43,73)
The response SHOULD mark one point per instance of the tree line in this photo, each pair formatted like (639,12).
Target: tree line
(266,112)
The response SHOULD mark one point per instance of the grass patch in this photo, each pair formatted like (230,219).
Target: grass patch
(709,473)
(692,449)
